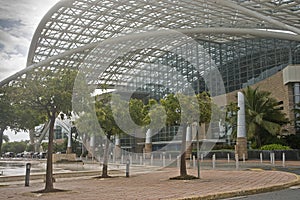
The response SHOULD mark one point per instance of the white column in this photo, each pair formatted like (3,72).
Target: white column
(241,142)
(69,145)
(148,144)
(69,140)
(148,136)
(117,141)
(189,134)
(117,149)
(241,124)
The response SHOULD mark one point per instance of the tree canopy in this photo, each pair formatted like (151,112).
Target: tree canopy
(41,95)
(264,117)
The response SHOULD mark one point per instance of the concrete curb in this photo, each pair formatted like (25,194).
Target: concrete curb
(7,179)
(246,192)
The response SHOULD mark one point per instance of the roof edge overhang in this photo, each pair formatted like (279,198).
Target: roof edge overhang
(40,27)
(208,31)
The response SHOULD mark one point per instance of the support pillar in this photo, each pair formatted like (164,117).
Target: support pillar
(117,149)
(69,147)
(92,147)
(148,144)
(241,143)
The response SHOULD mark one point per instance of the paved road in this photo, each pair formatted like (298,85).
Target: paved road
(292,193)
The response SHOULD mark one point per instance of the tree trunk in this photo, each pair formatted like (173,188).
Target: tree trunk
(183,171)
(257,137)
(49,171)
(1,139)
(105,158)
(258,142)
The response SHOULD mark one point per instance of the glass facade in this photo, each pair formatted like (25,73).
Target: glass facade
(296,90)
(128,142)
(58,132)
(167,134)
(240,63)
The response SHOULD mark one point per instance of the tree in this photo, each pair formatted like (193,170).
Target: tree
(16,147)
(45,92)
(5,138)
(172,107)
(185,110)
(104,107)
(6,114)
(137,112)
(206,108)
(153,115)
(15,115)
(231,118)
(263,115)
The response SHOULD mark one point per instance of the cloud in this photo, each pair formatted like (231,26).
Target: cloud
(10,64)
(18,21)
(13,136)
(13,44)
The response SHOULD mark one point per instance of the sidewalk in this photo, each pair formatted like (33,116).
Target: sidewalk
(156,185)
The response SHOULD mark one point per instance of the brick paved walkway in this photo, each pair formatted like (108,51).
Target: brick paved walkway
(155,185)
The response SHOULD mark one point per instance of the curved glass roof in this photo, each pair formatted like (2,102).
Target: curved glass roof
(72,28)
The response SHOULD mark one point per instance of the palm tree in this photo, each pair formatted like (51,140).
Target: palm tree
(231,119)
(263,116)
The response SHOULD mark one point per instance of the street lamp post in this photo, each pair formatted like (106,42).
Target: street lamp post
(198,151)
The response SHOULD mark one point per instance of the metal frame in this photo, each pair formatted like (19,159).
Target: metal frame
(72,28)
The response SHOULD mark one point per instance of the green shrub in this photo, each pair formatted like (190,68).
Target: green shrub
(293,141)
(275,147)
(223,147)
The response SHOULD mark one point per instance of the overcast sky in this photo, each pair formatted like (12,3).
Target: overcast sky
(18,21)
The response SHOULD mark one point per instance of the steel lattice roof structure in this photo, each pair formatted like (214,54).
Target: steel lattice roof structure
(72,29)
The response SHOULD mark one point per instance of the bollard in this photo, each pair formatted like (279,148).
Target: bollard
(127,167)
(261,158)
(27,176)
(141,160)
(283,159)
(272,158)
(151,160)
(130,159)
(164,160)
(236,161)
(244,158)
(228,158)
(194,161)
(214,161)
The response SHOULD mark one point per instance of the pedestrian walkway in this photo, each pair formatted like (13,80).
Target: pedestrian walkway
(156,185)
